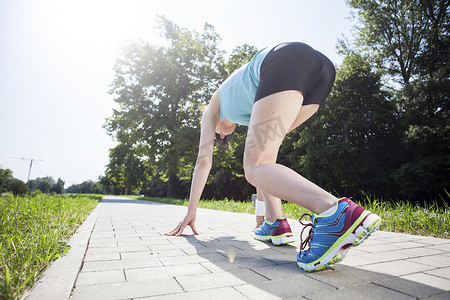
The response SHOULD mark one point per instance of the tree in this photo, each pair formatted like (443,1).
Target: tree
(18,187)
(410,39)
(159,91)
(87,187)
(392,32)
(239,56)
(43,184)
(58,187)
(5,178)
(125,170)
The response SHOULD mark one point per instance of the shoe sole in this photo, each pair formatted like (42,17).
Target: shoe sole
(361,229)
(282,239)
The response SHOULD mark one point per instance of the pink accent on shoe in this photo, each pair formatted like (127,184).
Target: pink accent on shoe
(353,211)
(282,228)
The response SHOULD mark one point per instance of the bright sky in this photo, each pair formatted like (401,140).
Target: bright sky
(57,58)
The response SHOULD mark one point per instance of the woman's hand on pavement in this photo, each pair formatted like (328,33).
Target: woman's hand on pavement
(189,220)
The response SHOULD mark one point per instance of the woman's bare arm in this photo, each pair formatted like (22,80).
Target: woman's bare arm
(203,164)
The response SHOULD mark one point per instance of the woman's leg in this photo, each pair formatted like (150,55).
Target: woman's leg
(260,209)
(277,231)
(272,204)
(272,117)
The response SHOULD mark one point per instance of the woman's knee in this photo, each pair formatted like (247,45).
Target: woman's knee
(249,170)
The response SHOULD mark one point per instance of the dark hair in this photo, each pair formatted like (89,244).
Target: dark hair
(222,142)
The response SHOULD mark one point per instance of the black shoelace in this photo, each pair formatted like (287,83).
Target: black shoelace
(308,240)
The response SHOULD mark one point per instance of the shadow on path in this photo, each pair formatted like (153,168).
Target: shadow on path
(267,270)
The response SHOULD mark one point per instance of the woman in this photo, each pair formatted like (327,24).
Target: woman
(279,89)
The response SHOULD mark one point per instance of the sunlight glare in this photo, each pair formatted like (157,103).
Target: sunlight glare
(99,23)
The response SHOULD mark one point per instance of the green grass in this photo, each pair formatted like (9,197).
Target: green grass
(427,220)
(34,232)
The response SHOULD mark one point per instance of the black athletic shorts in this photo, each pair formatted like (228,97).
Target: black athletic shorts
(296,66)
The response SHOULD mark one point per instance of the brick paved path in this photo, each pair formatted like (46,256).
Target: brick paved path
(121,252)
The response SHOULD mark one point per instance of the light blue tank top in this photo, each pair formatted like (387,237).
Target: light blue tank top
(237,93)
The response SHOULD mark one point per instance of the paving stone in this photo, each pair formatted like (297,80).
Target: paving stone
(164,272)
(378,248)
(191,259)
(148,234)
(380,257)
(219,266)
(110,244)
(156,239)
(281,259)
(372,241)
(197,250)
(410,287)
(444,247)
(227,293)
(343,276)
(358,260)
(126,235)
(429,280)
(424,251)
(170,246)
(127,290)
(102,256)
(90,278)
(101,234)
(409,245)
(280,271)
(146,254)
(397,268)
(367,291)
(435,241)
(120,264)
(217,280)
(433,260)
(441,272)
(254,293)
(293,287)
(131,244)
(100,250)
(129,240)
(443,296)
(359,251)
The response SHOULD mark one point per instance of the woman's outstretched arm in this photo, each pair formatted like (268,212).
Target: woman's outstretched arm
(203,164)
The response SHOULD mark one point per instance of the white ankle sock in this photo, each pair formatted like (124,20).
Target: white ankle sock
(329,211)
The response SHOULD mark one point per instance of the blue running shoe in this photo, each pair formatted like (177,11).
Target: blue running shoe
(279,232)
(330,237)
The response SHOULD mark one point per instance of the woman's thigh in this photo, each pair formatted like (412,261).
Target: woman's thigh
(272,118)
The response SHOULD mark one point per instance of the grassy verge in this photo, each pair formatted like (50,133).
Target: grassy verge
(33,233)
(426,220)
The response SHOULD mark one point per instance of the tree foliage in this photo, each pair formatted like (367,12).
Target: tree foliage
(5,179)
(46,185)
(159,90)
(87,187)
(411,38)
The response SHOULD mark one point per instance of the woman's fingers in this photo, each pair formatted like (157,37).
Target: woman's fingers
(193,229)
(175,231)
(180,230)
